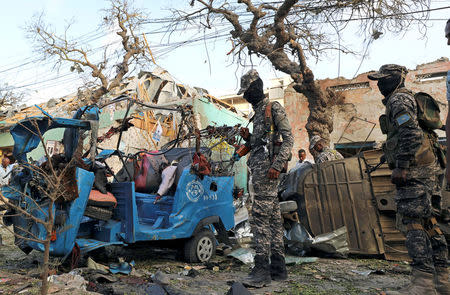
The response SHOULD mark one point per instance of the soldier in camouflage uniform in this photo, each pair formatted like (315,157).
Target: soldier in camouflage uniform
(408,151)
(268,156)
(324,153)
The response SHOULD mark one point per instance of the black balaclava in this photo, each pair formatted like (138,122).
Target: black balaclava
(389,84)
(255,92)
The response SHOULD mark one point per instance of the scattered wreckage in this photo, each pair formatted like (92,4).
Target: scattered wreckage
(126,210)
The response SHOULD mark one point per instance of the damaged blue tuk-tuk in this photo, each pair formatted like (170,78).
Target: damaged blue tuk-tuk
(197,208)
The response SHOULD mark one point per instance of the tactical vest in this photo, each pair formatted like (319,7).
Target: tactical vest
(271,139)
(425,154)
(275,140)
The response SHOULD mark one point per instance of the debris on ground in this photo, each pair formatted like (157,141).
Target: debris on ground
(94,265)
(293,260)
(298,240)
(238,289)
(189,272)
(223,249)
(71,280)
(334,242)
(121,267)
(160,278)
(246,255)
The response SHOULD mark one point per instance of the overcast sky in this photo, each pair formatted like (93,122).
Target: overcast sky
(203,65)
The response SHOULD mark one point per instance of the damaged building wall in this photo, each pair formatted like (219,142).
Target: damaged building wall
(155,88)
(359,105)
(215,115)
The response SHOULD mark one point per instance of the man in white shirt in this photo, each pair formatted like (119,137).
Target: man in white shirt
(301,160)
(5,170)
(168,175)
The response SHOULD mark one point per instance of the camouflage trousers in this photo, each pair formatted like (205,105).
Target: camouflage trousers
(267,226)
(426,248)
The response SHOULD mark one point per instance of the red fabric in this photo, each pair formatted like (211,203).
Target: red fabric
(200,164)
(147,176)
(140,178)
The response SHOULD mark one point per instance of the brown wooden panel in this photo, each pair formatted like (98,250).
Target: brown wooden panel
(338,193)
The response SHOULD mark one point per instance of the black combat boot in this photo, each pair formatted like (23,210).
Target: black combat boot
(260,274)
(278,270)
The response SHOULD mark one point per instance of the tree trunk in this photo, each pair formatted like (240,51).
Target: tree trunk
(320,120)
(45,266)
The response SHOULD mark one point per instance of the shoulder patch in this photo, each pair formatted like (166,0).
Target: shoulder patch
(402,119)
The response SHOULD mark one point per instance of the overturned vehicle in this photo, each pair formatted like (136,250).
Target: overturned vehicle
(350,193)
(90,212)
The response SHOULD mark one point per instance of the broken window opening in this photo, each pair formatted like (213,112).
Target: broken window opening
(351,86)
(431,76)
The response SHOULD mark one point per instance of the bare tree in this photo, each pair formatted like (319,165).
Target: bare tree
(108,72)
(290,32)
(10,97)
(52,183)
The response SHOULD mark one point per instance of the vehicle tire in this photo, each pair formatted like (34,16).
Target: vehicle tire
(98,212)
(201,247)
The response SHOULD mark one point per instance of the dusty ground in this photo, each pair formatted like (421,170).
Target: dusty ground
(19,273)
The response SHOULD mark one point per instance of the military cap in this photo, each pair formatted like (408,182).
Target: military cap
(387,70)
(247,79)
(314,140)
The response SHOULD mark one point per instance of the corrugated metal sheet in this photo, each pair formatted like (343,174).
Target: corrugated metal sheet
(337,194)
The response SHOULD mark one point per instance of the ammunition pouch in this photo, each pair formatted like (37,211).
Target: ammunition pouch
(383,124)
(424,156)
(439,151)
(389,148)
(432,228)
(429,226)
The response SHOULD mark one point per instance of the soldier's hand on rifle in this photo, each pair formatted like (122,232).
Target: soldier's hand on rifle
(244,133)
(398,176)
(273,173)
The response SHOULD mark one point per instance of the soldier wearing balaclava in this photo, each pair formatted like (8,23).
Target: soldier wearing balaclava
(270,147)
(409,152)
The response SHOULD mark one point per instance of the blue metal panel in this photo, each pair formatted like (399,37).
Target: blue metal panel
(65,240)
(26,136)
(87,245)
(126,209)
(108,231)
(149,212)
(194,200)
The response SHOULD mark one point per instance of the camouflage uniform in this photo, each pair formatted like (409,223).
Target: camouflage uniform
(267,226)
(426,244)
(328,154)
